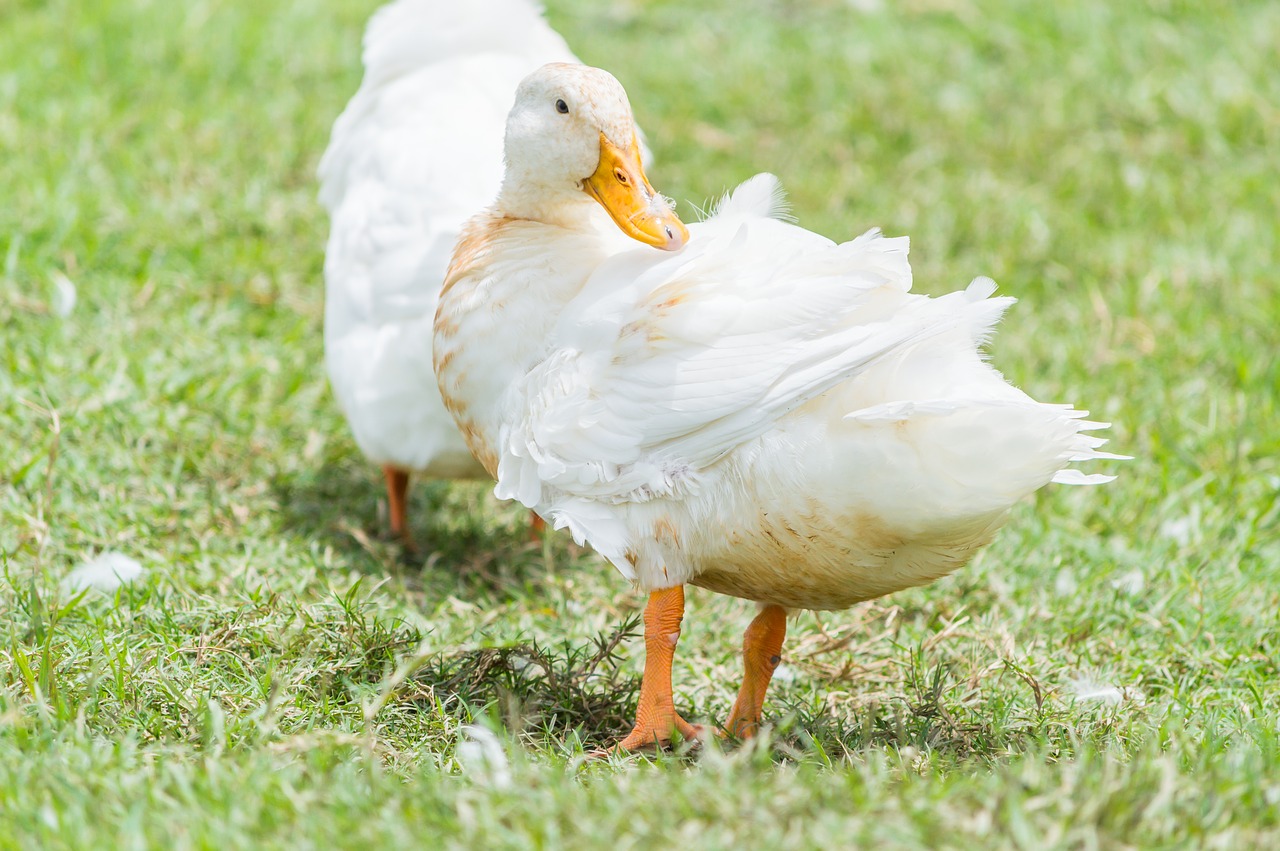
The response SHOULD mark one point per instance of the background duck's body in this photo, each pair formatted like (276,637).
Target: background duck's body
(765,414)
(417,151)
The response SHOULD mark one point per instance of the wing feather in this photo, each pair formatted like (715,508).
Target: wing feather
(664,364)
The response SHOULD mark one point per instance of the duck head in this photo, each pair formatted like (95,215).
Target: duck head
(571,138)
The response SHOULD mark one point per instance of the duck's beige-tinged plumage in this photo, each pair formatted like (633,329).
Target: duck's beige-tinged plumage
(764,412)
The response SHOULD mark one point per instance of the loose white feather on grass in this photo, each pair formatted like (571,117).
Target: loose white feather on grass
(105,573)
(64,295)
(1087,689)
(482,757)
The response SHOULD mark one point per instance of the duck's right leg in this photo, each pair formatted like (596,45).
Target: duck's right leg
(398,503)
(656,716)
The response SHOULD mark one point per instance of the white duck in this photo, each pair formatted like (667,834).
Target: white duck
(763,413)
(416,152)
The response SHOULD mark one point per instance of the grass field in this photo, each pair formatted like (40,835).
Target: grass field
(1105,675)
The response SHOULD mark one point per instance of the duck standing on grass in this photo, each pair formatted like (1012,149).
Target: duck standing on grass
(415,153)
(755,409)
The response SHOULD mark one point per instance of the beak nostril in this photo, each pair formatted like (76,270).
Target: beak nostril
(620,176)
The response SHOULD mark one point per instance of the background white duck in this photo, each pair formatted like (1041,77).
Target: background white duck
(416,152)
(763,412)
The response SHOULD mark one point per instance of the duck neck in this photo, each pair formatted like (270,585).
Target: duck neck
(567,208)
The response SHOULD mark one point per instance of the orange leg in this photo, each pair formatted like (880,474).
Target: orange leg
(656,716)
(537,526)
(397,503)
(761,653)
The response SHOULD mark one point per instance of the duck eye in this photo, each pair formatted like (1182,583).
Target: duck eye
(562,107)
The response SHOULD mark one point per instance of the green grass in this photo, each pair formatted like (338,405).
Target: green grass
(282,677)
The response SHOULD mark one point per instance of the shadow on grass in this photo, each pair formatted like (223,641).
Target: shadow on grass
(471,547)
(936,711)
(545,692)
(324,502)
(542,691)
(465,542)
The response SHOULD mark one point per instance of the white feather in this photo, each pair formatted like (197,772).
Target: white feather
(761,196)
(64,295)
(762,412)
(105,572)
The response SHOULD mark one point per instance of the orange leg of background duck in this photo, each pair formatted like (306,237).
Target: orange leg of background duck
(761,653)
(397,503)
(398,509)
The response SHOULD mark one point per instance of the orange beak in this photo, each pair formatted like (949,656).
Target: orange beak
(622,189)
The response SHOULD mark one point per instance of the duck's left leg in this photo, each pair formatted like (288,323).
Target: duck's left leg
(761,653)
(656,715)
